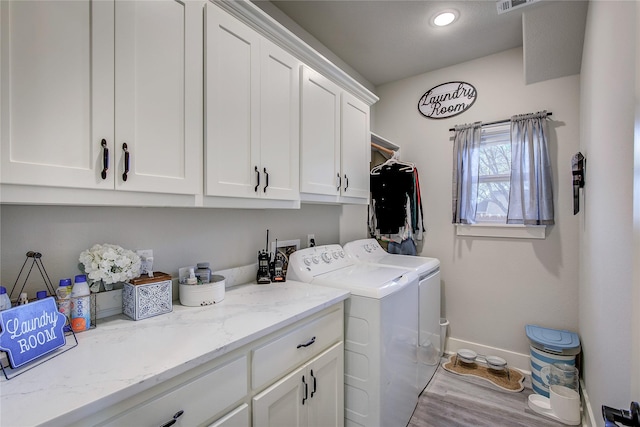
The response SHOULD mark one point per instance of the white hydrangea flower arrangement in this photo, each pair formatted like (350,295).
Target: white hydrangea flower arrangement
(109,264)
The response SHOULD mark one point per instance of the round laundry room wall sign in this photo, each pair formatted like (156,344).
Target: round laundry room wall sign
(447,100)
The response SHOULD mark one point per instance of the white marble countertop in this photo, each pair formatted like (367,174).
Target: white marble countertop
(122,357)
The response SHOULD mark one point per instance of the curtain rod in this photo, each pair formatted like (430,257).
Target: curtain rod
(497,122)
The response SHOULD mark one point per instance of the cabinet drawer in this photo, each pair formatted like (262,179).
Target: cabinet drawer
(287,351)
(200,399)
(239,417)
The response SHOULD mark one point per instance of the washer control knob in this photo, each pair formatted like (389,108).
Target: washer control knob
(326,257)
(335,255)
(307,261)
(341,253)
(367,248)
(316,260)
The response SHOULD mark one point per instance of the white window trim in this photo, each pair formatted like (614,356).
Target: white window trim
(514,231)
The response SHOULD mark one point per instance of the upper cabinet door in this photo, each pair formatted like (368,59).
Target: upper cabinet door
(158,72)
(279,122)
(320,135)
(355,146)
(56,73)
(232,102)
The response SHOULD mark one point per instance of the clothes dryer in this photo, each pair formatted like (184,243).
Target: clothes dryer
(381,333)
(428,269)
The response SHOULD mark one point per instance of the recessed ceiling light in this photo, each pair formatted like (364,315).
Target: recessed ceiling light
(445,18)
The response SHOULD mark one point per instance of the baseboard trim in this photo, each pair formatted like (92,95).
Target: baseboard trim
(588,419)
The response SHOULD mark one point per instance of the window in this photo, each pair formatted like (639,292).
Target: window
(494,171)
(483,176)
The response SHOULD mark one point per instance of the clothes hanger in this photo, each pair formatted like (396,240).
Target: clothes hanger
(394,160)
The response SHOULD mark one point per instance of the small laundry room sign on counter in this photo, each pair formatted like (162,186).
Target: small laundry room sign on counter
(447,100)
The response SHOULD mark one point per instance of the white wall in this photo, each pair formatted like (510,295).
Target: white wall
(179,236)
(608,81)
(492,288)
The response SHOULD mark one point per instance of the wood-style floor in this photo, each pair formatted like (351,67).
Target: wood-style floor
(452,400)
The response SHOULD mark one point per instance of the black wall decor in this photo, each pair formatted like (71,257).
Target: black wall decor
(447,100)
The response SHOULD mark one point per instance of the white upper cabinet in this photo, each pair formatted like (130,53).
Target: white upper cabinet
(57,92)
(355,147)
(320,144)
(335,142)
(158,102)
(251,112)
(79,79)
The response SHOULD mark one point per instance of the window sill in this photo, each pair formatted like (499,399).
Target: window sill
(514,231)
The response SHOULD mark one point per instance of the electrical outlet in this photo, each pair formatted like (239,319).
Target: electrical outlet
(311,240)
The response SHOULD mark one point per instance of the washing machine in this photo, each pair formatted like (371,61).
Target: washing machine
(381,333)
(428,270)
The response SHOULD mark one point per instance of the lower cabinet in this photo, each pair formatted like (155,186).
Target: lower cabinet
(291,377)
(312,395)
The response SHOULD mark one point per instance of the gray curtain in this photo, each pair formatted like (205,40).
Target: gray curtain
(466,149)
(531,192)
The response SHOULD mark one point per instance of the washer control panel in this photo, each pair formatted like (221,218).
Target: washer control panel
(304,264)
(364,249)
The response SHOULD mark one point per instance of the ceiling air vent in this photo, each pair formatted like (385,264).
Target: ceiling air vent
(509,5)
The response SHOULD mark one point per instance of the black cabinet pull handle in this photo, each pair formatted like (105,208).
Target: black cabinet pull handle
(267,183)
(314,384)
(174,419)
(105,159)
(346,182)
(308,343)
(306,390)
(126,161)
(255,168)
(339,183)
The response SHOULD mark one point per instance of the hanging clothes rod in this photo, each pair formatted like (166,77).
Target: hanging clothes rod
(497,122)
(383,149)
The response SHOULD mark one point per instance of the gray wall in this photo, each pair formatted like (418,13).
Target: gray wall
(492,287)
(607,287)
(179,236)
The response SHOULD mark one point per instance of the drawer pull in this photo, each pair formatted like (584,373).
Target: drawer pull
(306,390)
(314,384)
(105,159)
(347,182)
(339,183)
(308,343)
(174,419)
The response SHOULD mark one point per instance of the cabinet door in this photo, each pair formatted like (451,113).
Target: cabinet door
(56,67)
(232,82)
(320,144)
(326,389)
(158,96)
(285,403)
(279,122)
(355,146)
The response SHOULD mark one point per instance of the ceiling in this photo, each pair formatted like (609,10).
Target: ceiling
(388,40)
